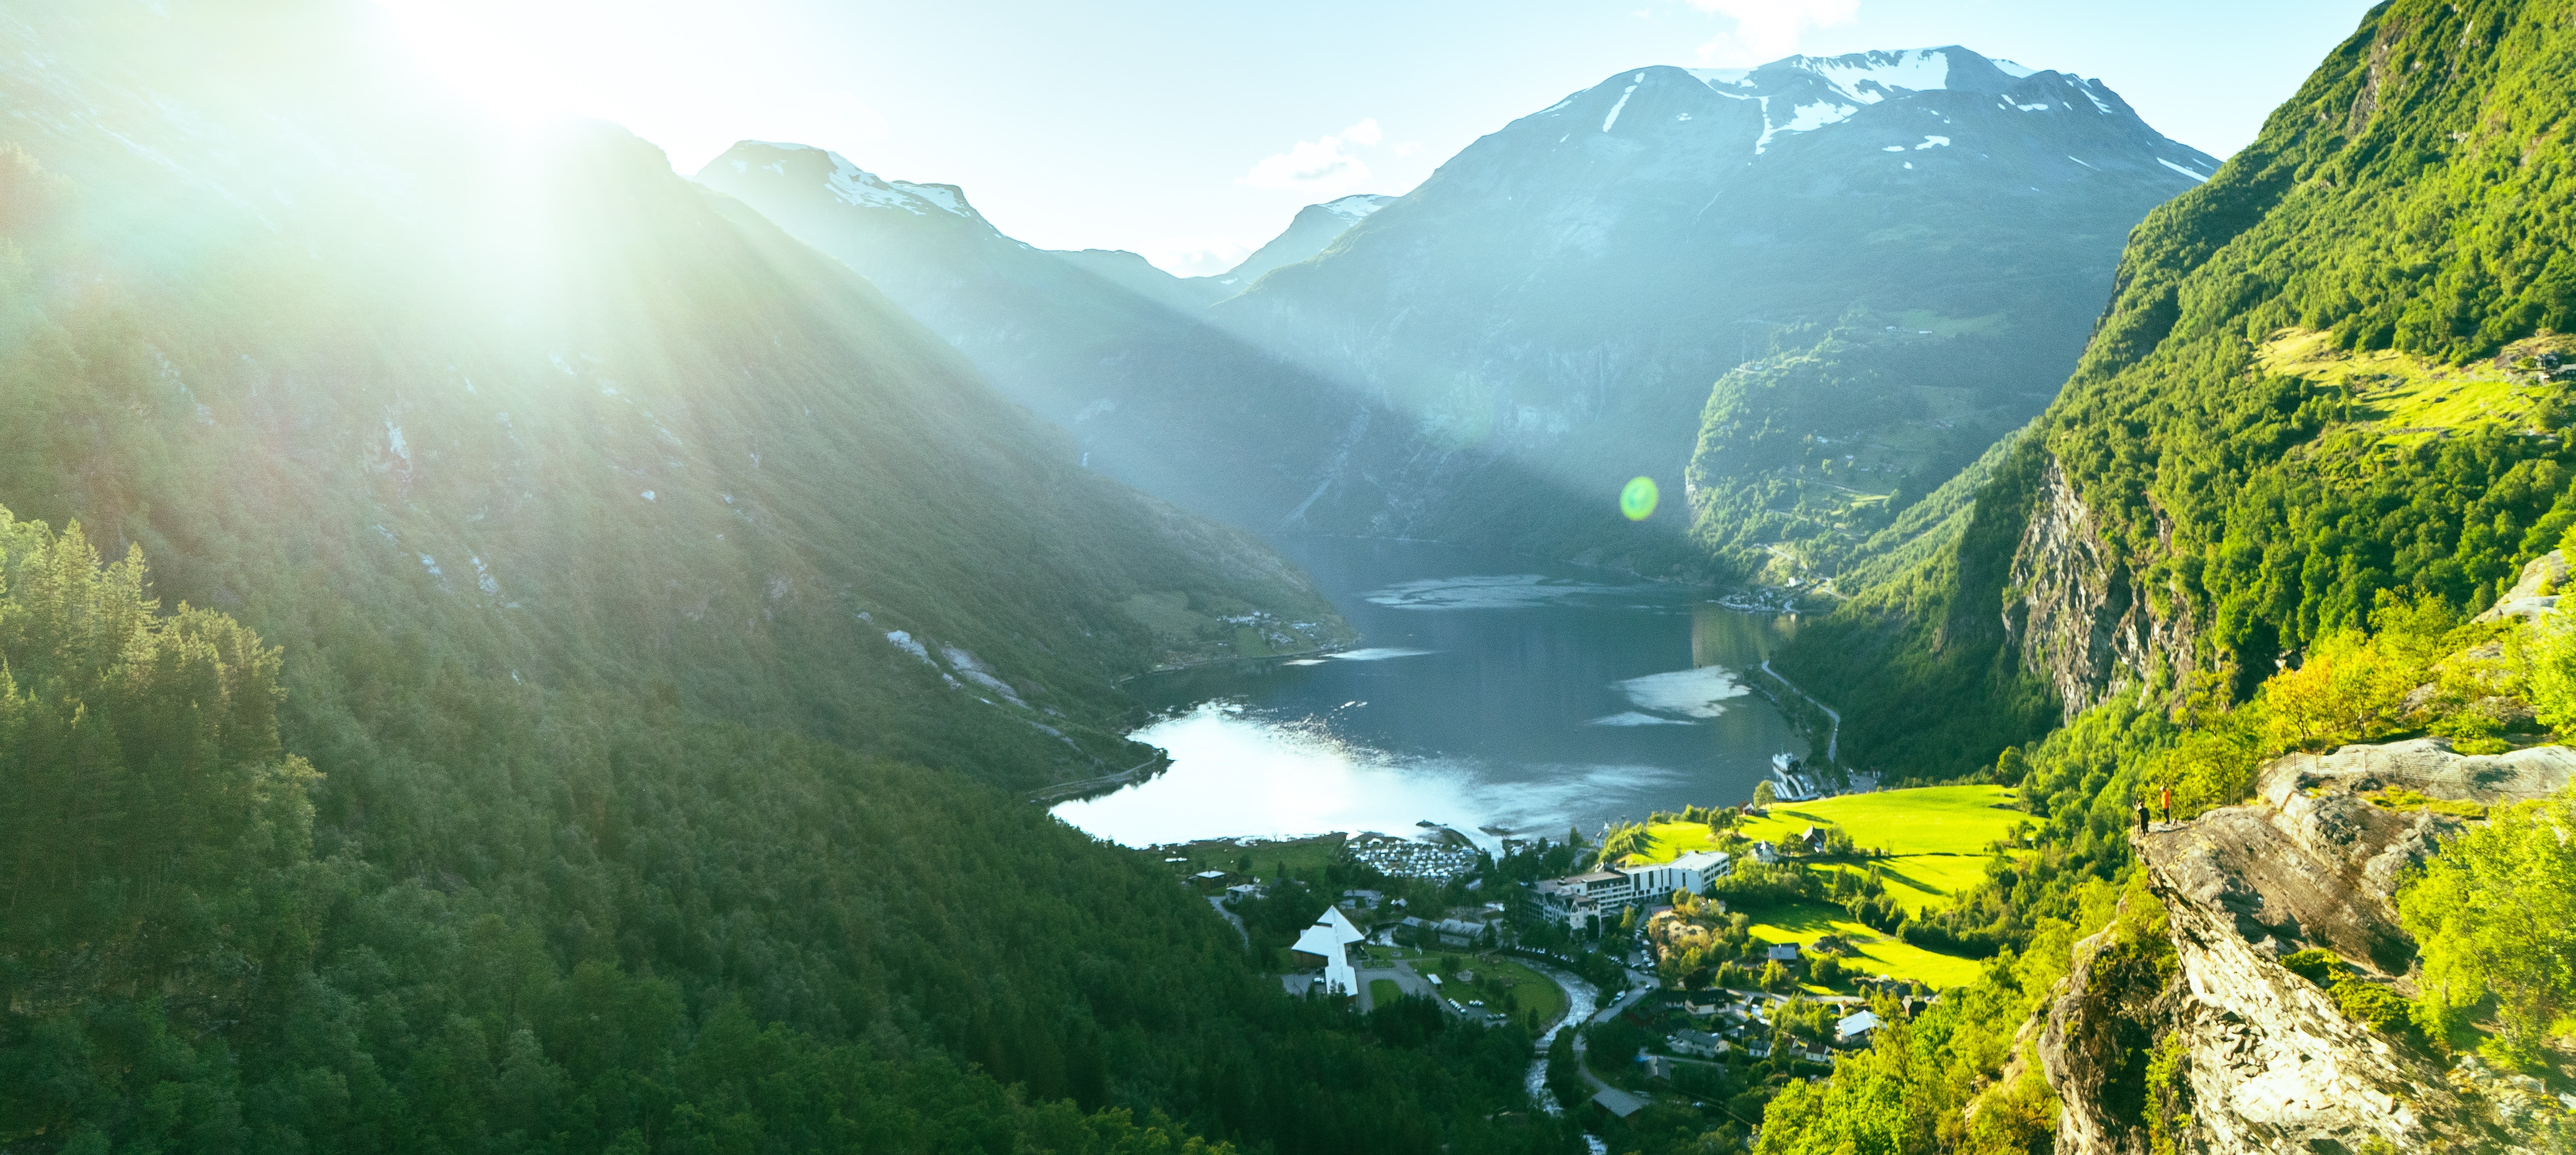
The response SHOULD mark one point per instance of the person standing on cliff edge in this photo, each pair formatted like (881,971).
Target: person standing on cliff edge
(2141,804)
(2168,803)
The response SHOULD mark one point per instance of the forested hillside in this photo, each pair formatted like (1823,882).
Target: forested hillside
(612,630)
(2327,377)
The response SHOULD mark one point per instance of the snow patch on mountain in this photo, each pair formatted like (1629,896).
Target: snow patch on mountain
(1803,118)
(1631,90)
(1721,79)
(1870,77)
(1357,206)
(2196,178)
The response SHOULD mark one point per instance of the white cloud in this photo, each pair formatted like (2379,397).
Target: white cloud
(1327,166)
(1766,30)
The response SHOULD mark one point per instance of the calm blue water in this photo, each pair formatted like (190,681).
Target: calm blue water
(1489,690)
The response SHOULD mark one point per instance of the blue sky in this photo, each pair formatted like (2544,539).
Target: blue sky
(1191,130)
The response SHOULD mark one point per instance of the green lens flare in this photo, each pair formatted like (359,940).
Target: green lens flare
(1638,499)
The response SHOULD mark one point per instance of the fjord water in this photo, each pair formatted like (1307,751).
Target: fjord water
(1490,690)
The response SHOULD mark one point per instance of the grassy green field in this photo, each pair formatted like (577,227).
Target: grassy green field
(1872,952)
(1929,820)
(1936,837)
(2410,398)
(1383,992)
(1531,991)
(1926,881)
(1926,820)
(1937,840)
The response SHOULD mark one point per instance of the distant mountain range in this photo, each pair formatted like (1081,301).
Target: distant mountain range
(1903,250)
(1099,342)
(1556,301)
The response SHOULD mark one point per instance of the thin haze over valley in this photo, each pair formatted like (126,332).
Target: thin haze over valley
(1191,577)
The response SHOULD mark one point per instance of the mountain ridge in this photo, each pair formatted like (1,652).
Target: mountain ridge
(1556,300)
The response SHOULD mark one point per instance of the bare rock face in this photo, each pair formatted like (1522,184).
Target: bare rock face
(2535,594)
(2273,1065)
(2426,766)
(2074,613)
(2270,1062)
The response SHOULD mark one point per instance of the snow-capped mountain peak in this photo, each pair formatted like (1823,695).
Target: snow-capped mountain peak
(849,183)
(1870,77)
(1745,115)
(1356,206)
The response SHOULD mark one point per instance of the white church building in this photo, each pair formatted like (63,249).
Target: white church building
(1327,944)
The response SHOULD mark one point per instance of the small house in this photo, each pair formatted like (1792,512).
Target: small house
(1444,932)
(1855,1028)
(1783,953)
(1700,1043)
(1618,1102)
(1766,854)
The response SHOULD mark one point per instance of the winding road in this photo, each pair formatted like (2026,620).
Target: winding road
(1833,737)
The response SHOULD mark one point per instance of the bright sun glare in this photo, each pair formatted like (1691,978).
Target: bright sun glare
(525,63)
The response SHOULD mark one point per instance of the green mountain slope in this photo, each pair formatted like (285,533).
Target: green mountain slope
(1880,286)
(2325,379)
(658,616)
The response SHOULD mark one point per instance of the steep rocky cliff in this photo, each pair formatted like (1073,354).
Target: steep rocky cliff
(2230,1046)
(2073,610)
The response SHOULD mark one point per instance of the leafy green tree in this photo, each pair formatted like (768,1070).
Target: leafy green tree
(1776,978)
(2553,669)
(2494,913)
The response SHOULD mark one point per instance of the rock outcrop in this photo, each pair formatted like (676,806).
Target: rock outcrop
(2535,593)
(2074,612)
(2268,1061)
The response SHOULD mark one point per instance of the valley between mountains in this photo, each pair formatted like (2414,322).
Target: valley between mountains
(1872,604)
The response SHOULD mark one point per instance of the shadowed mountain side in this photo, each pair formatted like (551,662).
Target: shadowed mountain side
(560,418)
(1156,396)
(1562,294)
